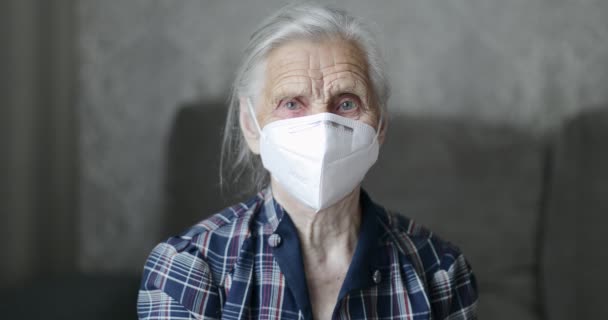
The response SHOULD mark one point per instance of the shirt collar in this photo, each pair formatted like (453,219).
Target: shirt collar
(366,258)
(365,261)
(273,212)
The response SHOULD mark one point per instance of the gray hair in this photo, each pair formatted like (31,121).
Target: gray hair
(241,168)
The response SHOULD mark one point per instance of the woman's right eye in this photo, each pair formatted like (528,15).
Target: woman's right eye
(290,108)
(291,105)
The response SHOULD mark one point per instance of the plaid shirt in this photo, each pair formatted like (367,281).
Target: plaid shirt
(245,263)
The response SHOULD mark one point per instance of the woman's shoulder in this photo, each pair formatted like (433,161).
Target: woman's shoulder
(417,242)
(224,226)
(231,222)
(441,266)
(212,244)
(193,264)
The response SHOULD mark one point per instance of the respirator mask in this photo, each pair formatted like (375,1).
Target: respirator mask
(318,159)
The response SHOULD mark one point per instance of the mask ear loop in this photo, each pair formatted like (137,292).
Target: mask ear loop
(380,122)
(252,114)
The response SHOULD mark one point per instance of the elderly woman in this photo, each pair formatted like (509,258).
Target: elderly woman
(309,105)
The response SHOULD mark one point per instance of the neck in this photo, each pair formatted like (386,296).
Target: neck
(329,231)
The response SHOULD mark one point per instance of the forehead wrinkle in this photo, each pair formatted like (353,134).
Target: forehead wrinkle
(291,77)
(281,74)
(287,56)
(315,58)
(290,89)
(346,75)
(345,84)
(285,64)
(349,56)
(315,62)
(278,71)
(346,53)
(346,66)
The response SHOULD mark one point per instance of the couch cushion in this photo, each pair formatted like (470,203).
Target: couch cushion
(192,183)
(478,186)
(73,296)
(574,260)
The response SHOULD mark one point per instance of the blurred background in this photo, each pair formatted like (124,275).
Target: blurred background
(110,119)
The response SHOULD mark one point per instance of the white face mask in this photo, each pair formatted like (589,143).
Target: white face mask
(318,159)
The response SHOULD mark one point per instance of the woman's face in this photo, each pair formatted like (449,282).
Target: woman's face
(304,78)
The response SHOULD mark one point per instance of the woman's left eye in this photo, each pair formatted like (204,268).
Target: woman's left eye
(347,105)
(291,105)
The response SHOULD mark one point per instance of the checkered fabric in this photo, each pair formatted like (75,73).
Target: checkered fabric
(226,267)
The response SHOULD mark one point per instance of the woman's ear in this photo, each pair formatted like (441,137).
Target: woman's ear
(248,127)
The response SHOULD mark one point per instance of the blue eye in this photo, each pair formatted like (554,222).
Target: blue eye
(347,105)
(291,105)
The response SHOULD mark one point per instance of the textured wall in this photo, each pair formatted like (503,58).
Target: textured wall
(38,138)
(523,62)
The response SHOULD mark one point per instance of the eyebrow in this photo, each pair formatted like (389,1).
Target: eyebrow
(333,89)
(290,90)
(352,86)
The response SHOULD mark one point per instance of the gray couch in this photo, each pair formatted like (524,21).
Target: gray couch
(527,209)
(480,187)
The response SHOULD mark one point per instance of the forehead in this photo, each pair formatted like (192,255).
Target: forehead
(318,69)
(316,55)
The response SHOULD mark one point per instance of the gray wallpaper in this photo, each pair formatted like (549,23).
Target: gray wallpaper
(526,63)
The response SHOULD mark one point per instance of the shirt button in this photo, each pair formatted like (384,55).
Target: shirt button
(274,240)
(377,277)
